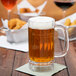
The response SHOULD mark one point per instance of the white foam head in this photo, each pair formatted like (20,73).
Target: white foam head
(41,22)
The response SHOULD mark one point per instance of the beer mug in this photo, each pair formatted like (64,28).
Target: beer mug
(41,43)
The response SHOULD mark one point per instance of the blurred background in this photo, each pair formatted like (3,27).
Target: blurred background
(51,9)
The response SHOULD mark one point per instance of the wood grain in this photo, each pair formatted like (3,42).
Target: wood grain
(6,61)
(71,59)
(20,59)
(10,59)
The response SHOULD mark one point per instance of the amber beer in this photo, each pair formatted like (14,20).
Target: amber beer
(41,44)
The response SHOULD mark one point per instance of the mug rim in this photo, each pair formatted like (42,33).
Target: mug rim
(33,19)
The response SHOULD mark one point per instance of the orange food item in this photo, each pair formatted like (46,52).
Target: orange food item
(67,22)
(28,10)
(19,24)
(25,10)
(15,24)
(73,23)
(12,23)
(37,10)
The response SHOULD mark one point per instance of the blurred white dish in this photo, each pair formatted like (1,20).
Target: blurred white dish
(26,4)
(15,36)
(71,29)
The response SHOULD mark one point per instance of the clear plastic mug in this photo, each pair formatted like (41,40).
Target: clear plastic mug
(41,43)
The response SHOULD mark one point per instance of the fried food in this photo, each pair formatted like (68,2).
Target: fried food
(25,10)
(22,10)
(15,24)
(19,24)
(37,10)
(12,23)
(67,22)
(73,23)
(28,10)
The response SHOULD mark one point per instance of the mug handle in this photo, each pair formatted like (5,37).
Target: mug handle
(66,41)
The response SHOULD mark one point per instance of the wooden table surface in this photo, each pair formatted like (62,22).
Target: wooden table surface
(12,59)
